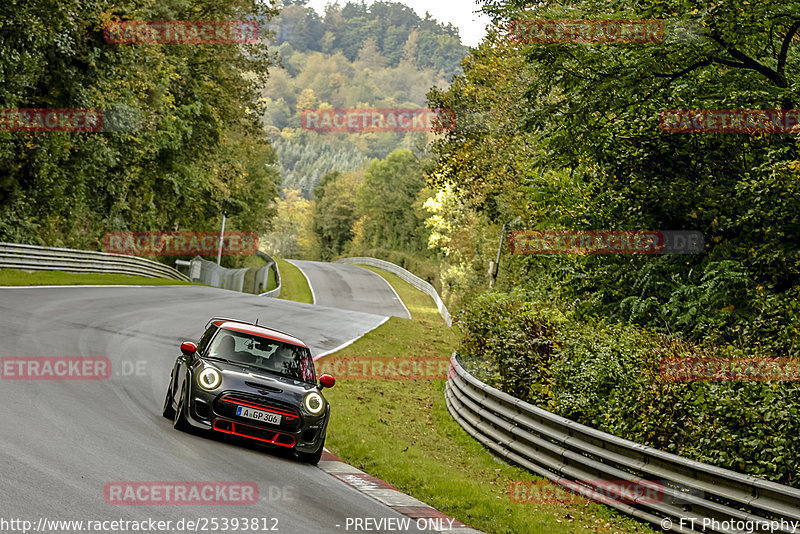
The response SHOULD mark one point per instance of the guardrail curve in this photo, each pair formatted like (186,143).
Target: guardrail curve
(34,258)
(263,275)
(577,457)
(409,277)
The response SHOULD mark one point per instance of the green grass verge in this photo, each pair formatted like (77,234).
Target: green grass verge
(16,277)
(272,282)
(293,284)
(401,432)
(425,335)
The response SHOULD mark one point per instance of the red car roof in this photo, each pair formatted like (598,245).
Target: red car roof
(259,331)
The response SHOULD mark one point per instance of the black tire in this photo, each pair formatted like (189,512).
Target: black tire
(168,411)
(179,421)
(312,458)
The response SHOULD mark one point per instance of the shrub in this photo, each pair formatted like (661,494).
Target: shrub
(607,376)
(516,337)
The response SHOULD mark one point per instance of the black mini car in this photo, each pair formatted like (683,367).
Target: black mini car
(250,381)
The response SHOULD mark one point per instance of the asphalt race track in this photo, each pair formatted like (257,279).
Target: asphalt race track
(63,441)
(351,287)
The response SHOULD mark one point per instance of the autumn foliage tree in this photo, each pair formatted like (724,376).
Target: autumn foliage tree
(184,143)
(573,142)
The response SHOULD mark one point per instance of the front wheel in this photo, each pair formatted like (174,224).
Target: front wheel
(179,421)
(312,458)
(168,411)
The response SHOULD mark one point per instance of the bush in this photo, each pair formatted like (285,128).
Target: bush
(607,376)
(516,338)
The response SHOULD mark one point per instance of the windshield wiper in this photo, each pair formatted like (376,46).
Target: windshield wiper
(246,364)
(276,373)
(224,360)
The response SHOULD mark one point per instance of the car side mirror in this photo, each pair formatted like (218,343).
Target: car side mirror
(326,381)
(188,348)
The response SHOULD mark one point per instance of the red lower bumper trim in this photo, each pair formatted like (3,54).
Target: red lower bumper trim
(251,432)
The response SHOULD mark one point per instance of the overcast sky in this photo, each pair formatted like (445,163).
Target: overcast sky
(459,13)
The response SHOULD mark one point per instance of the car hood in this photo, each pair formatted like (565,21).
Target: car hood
(250,378)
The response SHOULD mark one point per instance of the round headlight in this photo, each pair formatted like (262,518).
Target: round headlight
(314,403)
(209,378)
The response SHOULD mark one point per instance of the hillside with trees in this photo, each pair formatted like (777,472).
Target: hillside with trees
(574,143)
(187,144)
(355,56)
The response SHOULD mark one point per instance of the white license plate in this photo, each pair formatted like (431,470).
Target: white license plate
(258,415)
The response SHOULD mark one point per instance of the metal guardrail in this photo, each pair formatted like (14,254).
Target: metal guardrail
(409,277)
(263,276)
(578,457)
(33,258)
(209,273)
(247,280)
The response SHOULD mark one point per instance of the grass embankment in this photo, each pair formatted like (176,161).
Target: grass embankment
(294,285)
(401,432)
(16,277)
(272,283)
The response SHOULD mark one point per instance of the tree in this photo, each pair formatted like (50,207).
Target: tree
(573,142)
(292,234)
(182,124)
(336,212)
(306,100)
(369,56)
(387,198)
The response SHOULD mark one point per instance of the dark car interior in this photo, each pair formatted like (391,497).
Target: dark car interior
(272,356)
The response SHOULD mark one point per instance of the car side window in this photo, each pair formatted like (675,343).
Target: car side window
(206,339)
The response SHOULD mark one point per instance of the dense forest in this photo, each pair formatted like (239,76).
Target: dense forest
(187,146)
(574,144)
(389,29)
(355,56)
(200,130)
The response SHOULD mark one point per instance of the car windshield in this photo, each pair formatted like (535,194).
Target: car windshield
(269,355)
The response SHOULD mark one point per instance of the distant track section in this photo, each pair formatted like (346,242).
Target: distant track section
(407,276)
(349,287)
